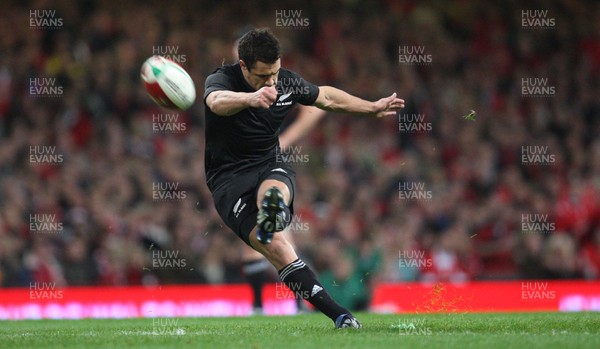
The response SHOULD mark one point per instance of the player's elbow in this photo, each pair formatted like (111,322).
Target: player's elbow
(325,101)
(217,105)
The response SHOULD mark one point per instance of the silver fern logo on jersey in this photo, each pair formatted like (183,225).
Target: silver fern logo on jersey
(288,89)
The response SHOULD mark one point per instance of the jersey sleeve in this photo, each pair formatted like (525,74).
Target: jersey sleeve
(217,81)
(310,91)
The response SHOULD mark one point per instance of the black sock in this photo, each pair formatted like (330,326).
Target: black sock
(302,281)
(256,272)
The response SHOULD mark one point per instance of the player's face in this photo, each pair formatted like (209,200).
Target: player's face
(262,74)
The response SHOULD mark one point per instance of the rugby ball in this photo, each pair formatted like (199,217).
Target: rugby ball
(167,83)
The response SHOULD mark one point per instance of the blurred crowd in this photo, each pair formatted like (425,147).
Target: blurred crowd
(88,213)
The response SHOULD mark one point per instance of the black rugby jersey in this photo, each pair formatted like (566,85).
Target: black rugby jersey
(250,137)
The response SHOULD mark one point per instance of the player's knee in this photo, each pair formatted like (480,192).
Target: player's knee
(279,251)
(275,248)
(269,183)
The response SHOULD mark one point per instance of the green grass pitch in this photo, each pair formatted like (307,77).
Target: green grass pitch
(514,330)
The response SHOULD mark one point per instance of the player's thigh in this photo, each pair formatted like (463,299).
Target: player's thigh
(236,204)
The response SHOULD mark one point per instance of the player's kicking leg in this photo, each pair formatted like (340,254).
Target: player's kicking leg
(274,214)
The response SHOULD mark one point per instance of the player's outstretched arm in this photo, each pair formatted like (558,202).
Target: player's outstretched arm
(333,99)
(226,103)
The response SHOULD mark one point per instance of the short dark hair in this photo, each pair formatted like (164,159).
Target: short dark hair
(259,45)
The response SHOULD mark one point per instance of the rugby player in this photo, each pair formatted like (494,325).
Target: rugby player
(245,104)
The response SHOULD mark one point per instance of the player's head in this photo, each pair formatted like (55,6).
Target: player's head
(259,55)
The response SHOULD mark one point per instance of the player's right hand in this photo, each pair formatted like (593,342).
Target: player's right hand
(264,97)
(388,106)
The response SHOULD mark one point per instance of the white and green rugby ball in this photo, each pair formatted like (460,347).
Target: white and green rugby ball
(167,83)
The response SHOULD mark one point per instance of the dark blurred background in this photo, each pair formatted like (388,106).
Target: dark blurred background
(87,214)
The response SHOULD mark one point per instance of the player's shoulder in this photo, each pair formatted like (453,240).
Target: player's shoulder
(226,77)
(284,72)
(228,71)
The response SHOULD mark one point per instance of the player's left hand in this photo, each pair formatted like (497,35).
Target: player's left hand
(388,106)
